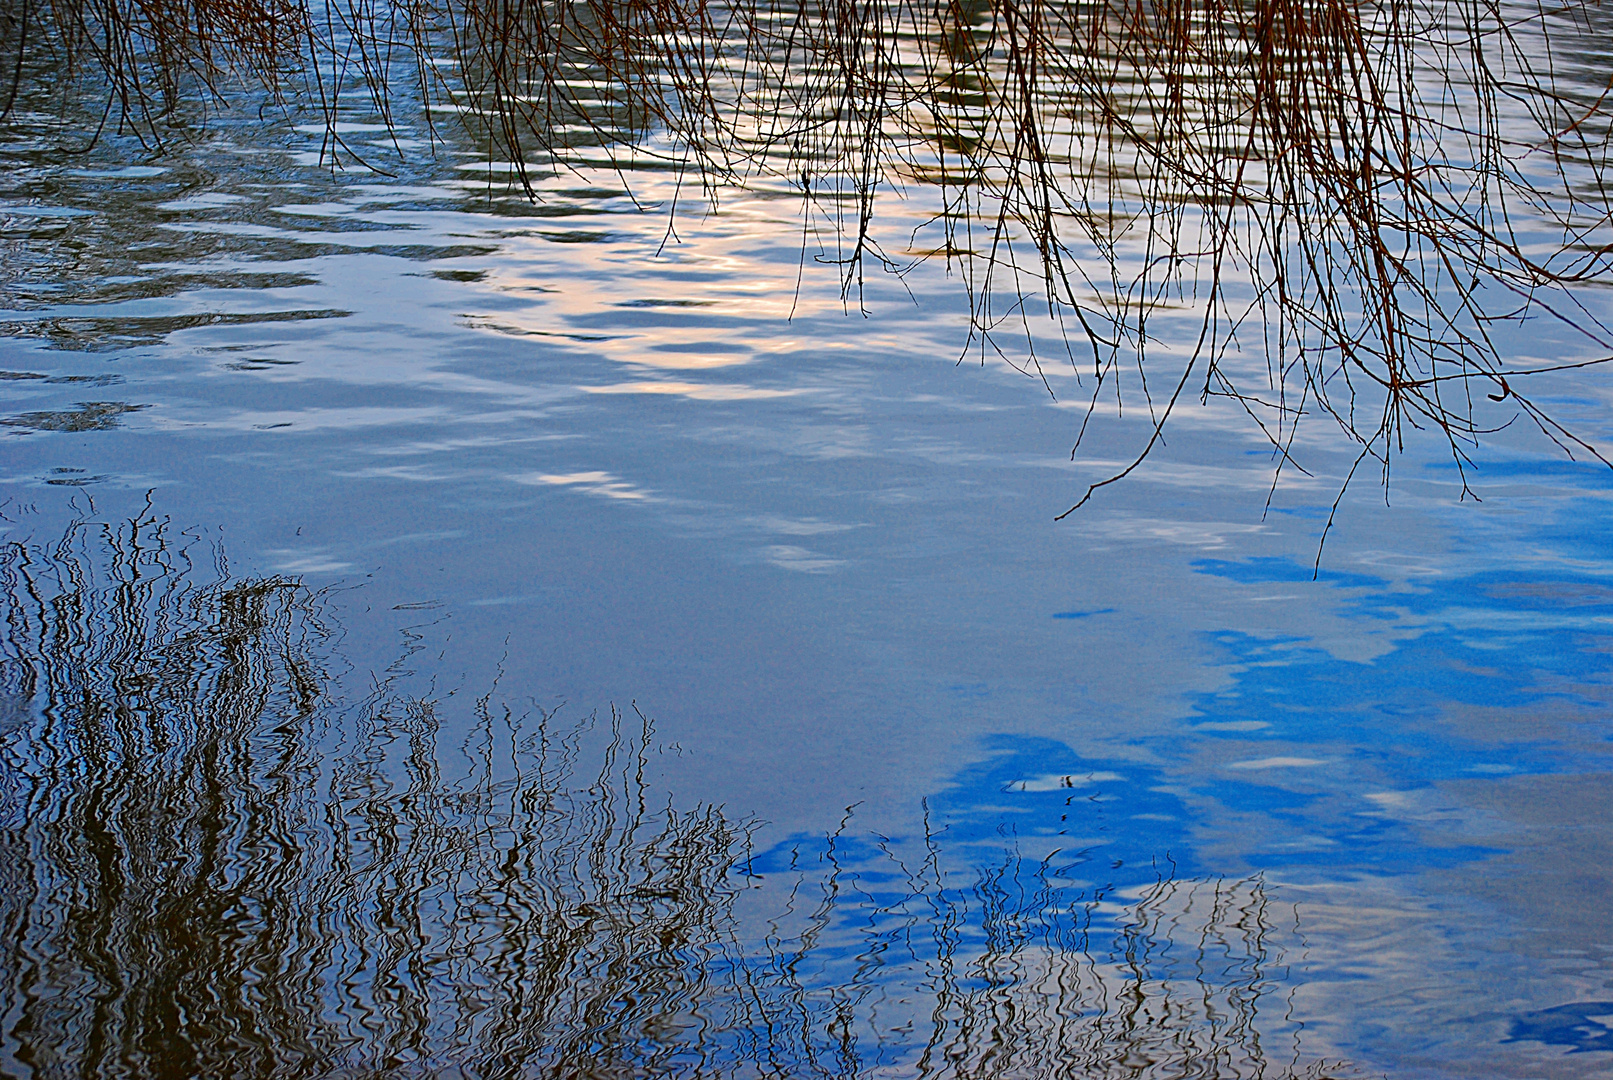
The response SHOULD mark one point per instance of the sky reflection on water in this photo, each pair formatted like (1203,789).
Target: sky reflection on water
(945,776)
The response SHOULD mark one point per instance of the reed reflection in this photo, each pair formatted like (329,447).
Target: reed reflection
(215,864)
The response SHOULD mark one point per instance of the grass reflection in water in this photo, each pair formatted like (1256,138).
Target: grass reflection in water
(215,866)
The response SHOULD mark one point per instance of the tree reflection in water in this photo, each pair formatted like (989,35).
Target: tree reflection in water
(213,866)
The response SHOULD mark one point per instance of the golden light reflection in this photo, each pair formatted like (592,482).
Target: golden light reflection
(696,391)
(714,291)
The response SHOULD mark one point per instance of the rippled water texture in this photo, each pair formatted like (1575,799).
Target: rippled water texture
(449,634)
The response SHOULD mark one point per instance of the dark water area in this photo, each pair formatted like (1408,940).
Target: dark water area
(450,634)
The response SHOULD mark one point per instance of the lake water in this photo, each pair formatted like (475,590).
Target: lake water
(454,635)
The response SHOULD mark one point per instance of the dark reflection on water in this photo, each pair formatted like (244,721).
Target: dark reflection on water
(108,335)
(84,416)
(215,864)
(1581,1027)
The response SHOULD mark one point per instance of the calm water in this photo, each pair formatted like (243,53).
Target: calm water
(450,635)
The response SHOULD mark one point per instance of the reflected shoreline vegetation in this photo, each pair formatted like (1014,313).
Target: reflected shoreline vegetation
(217,865)
(1345,203)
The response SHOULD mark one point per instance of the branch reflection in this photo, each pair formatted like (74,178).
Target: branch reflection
(213,865)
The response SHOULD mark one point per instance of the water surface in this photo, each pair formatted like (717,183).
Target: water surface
(448,634)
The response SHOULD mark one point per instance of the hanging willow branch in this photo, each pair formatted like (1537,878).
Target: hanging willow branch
(1361,191)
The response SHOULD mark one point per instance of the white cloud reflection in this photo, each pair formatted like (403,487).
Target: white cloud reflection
(594,483)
